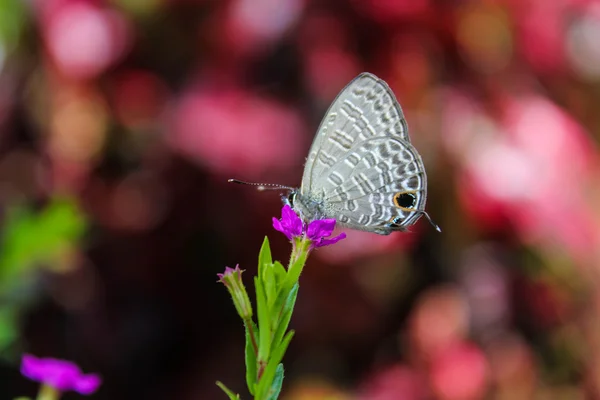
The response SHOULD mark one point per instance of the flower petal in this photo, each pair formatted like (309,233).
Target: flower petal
(320,228)
(62,377)
(229,271)
(290,223)
(326,242)
(31,367)
(279,227)
(291,220)
(87,384)
(59,374)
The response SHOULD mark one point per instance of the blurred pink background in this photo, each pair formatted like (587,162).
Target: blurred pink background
(121,121)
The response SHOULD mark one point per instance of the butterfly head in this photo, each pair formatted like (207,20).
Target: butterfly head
(309,208)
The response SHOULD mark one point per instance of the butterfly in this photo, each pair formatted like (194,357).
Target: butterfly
(362,169)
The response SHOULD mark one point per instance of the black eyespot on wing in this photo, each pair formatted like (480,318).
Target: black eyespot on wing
(405,200)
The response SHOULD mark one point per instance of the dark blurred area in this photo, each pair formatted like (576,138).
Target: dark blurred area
(120,122)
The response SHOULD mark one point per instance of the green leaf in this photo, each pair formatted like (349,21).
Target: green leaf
(232,396)
(266,381)
(264,331)
(30,239)
(275,389)
(251,375)
(264,256)
(280,273)
(270,284)
(285,316)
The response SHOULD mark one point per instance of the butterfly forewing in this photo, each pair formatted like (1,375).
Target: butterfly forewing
(365,108)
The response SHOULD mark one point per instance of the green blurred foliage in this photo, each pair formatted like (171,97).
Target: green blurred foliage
(13,17)
(34,239)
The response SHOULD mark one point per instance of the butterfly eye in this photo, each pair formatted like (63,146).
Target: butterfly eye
(405,200)
(290,198)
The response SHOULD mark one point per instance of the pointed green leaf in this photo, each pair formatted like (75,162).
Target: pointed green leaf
(285,316)
(265,383)
(264,331)
(251,375)
(229,393)
(281,305)
(270,284)
(275,389)
(264,256)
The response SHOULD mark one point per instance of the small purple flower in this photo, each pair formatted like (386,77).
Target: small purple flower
(232,279)
(59,374)
(317,231)
(290,224)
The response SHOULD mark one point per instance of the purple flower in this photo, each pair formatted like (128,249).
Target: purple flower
(317,231)
(59,374)
(290,224)
(232,279)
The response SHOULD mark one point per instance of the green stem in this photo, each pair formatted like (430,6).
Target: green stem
(248,323)
(48,393)
(297,262)
(261,368)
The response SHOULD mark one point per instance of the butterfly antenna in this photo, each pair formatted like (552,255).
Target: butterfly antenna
(261,186)
(436,226)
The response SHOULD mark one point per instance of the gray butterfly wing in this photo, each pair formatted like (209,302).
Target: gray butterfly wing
(365,108)
(362,166)
(380,186)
